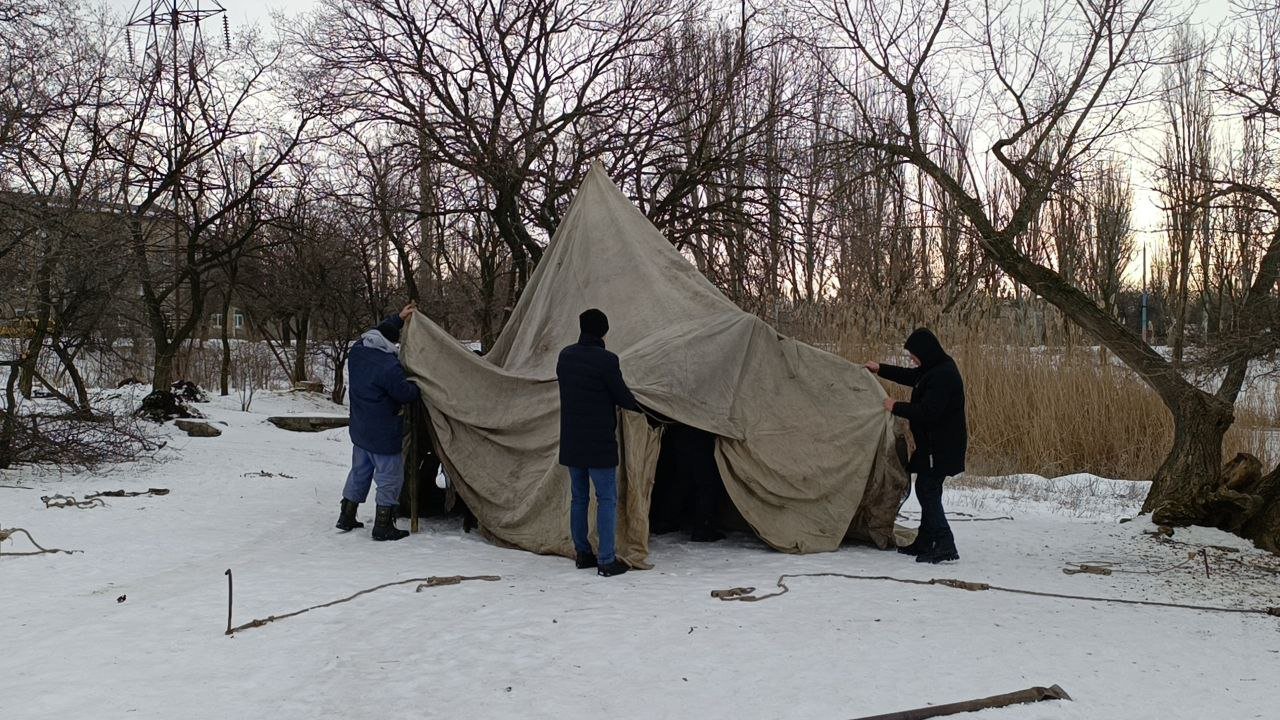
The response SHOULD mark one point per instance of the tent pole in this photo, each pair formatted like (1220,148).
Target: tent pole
(415,412)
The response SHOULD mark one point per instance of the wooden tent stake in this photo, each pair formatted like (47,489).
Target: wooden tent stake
(1030,695)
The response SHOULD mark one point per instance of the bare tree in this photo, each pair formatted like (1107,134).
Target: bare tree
(1185,174)
(491,90)
(196,147)
(59,177)
(1093,62)
(1109,243)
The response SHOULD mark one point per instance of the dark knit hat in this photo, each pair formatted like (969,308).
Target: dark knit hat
(389,329)
(594,323)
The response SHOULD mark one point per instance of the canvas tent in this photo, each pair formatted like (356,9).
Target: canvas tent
(804,445)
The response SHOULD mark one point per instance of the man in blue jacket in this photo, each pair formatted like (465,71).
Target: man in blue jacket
(591,388)
(378,389)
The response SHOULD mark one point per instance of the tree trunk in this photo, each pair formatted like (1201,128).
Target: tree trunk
(525,253)
(1263,526)
(426,215)
(1181,488)
(9,426)
(44,288)
(300,347)
(162,373)
(224,372)
(77,380)
(1178,333)
(337,395)
(31,358)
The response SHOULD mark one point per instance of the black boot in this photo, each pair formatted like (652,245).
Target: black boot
(944,551)
(617,567)
(585,560)
(347,516)
(384,525)
(921,544)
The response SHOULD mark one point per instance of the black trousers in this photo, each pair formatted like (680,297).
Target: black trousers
(933,519)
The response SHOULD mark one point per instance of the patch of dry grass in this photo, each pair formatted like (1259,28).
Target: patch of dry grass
(1053,414)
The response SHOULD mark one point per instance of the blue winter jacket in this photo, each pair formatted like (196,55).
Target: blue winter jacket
(378,390)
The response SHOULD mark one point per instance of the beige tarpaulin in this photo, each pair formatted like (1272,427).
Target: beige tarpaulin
(805,446)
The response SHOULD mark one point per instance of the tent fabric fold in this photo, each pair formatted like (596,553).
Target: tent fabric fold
(804,445)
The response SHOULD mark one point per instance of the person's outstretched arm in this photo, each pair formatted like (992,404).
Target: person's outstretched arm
(618,389)
(895,374)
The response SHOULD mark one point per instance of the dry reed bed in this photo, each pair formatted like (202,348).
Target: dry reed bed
(1051,412)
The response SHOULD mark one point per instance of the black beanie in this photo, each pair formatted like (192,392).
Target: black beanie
(594,323)
(924,344)
(389,330)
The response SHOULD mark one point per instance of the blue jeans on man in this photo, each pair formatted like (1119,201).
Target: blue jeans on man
(606,483)
(387,471)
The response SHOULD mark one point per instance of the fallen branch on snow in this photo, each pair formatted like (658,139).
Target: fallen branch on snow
(95,499)
(745,594)
(1030,695)
(62,501)
(126,493)
(427,582)
(1100,567)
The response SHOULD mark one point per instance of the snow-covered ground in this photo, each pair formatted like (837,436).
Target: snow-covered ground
(133,626)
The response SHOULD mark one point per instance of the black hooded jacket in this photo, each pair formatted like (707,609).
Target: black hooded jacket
(936,411)
(591,388)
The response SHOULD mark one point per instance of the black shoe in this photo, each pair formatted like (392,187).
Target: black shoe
(384,525)
(617,567)
(347,516)
(706,534)
(586,560)
(917,546)
(938,555)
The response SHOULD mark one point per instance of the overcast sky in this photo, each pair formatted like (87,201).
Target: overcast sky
(259,11)
(239,12)
(1147,216)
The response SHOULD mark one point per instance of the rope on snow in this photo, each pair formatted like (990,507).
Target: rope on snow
(746,594)
(6,533)
(427,582)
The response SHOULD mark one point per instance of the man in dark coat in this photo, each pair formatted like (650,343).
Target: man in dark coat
(937,420)
(591,390)
(378,389)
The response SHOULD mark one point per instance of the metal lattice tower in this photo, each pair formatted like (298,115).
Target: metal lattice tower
(173,53)
(173,45)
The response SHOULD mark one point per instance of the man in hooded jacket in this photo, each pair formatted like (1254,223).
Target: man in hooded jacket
(591,390)
(936,416)
(378,390)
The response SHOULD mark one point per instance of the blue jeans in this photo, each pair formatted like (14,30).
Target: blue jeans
(386,470)
(606,482)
